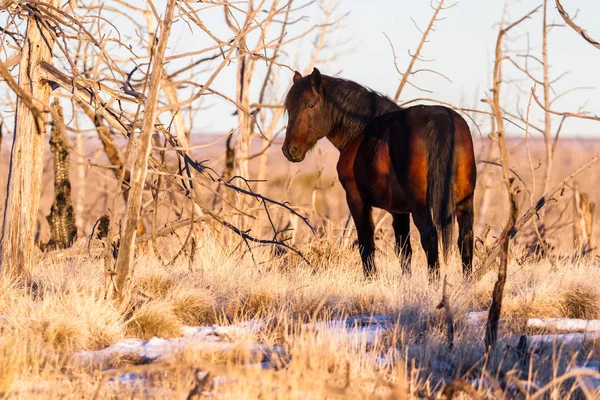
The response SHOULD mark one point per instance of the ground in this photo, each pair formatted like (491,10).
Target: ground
(255,321)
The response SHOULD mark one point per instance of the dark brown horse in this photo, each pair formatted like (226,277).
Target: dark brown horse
(415,160)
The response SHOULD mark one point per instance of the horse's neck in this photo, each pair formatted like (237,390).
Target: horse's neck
(346,129)
(339,138)
(341,135)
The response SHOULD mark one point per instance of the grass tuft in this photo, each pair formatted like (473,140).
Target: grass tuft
(193,306)
(155,283)
(63,333)
(154,318)
(581,300)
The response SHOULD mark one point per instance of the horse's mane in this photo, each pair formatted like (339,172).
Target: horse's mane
(352,107)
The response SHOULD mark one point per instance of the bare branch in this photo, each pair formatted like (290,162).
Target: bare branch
(564,113)
(416,56)
(577,28)
(545,199)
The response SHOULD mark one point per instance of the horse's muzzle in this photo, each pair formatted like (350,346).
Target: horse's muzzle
(293,154)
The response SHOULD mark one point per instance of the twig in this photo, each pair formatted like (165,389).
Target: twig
(564,113)
(445,304)
(24,97)
(415,57)
(491,258)
(577,28)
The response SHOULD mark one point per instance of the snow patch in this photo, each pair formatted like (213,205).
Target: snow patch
(360,330)
(564,324)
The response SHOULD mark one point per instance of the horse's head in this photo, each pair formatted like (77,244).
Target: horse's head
(308,119)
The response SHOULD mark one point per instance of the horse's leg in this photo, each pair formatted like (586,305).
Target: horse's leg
(464,216)
(429,240)
(401,224)
(363,220)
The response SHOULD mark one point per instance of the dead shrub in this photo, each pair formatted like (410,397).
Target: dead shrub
(580,301)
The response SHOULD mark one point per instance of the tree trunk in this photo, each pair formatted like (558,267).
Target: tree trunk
(547,117)
(81,172)
(27,154)
(583,218)
(119,280)
(61,219)
(242,144)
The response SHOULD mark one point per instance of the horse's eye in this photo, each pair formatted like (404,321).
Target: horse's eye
(311,105)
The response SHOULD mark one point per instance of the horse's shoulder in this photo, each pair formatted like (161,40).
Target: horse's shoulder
(347,160)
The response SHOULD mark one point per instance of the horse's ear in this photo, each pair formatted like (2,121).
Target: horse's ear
(315,79)
(297,76)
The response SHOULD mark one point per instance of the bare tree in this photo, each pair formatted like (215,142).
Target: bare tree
(497,295)
(117,89)
(118,281)
(25,177)
(549,131)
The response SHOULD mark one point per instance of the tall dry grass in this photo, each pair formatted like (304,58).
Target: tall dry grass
(44,326)
(327,208)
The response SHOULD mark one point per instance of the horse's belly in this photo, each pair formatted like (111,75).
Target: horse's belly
(393,200)
(385,189)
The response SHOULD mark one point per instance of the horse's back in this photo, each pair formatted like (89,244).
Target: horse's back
(366,165)
(418,118)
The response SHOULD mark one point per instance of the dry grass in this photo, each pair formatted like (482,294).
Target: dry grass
(66,313)
(581,300)
(155,318)
(193,306)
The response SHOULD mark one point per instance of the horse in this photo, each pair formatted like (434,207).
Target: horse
(417,160)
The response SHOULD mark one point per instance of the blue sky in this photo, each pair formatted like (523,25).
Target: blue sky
(462,48)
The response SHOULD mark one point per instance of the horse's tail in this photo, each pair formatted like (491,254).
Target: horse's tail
(440,133)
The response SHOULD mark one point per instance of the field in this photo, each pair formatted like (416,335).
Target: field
(157,244)
(268,309)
